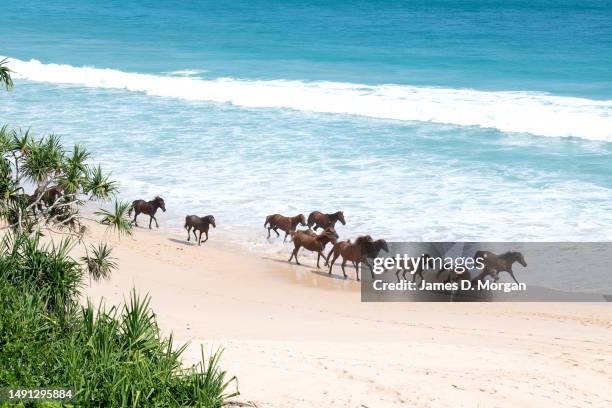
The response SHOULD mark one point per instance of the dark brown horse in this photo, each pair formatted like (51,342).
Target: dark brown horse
(371,251)
(287,224)
(423,262)
(147,207)
(354,252)
(494,264)
(453,275)
(45,195)
(315,243)
(201,224)
(317,219)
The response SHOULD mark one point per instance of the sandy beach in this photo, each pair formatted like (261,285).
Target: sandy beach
(297,338)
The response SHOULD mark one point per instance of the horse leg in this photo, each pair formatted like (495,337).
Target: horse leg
(150,220)
(512,274)
(329,256)
(343,264)
(319,257)
(365,261)
(277,234)
(294,254)
(481,276)
(200,238)
(285,239)
(357,270)
(397,275)
(135,215)
(188,233)
(331,264)
(269,232)
(205,233)
(156,224)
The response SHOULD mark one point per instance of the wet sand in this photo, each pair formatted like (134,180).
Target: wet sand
(298,338)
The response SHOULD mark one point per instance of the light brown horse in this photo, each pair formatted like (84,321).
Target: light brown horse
(287,224)
(353,252)
(315,243)
(147,207)
(201,224)
(317,219)
(494,264)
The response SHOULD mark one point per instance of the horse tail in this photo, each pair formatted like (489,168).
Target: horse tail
(186,222)
(131,208)
(267,220)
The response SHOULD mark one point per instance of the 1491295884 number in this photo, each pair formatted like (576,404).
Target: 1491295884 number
(16,394)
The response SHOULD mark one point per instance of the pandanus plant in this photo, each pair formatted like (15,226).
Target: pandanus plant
(5,75)
(64,182)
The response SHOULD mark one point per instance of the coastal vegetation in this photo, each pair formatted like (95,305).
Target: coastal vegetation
(109,357)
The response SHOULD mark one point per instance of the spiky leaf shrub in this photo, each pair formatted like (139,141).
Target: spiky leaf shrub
(5,75)
(115,357)
(64,182)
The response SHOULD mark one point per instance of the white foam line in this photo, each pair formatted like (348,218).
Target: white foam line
(523,112)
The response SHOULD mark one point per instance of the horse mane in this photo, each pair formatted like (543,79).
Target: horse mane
(380,244)
(327,233)
(510,254)
(364,239)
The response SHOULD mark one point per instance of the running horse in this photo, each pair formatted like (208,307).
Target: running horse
(147,207)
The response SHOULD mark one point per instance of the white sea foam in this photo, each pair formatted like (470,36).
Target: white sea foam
(186,72)
(528,112)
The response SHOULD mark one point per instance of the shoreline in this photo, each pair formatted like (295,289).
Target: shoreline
(295,337)
(253,240)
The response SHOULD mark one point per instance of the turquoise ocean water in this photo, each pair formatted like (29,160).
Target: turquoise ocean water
(422,120)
